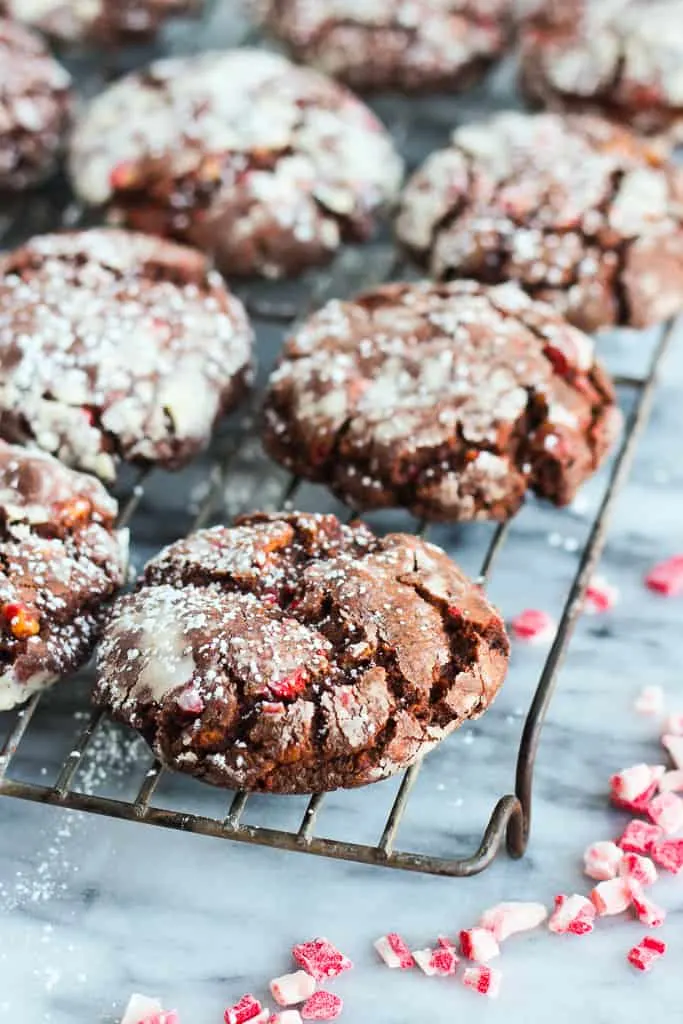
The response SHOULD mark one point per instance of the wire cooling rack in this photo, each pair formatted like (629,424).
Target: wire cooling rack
(275,309)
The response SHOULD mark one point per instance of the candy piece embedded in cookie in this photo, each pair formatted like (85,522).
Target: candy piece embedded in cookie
(61,561)
(293,654)
(105,22)
(578,211)
(117,347)
(450,400)
(270,175)
(35,108)
(620,58)
(405,45)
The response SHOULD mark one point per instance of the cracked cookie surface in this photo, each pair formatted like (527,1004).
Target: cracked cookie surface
(117,347)
(107,22)
(578,211)
(409,45)
(294,654)
(268,166)
(450,400)
(35,108)
(61,561)
(622,58)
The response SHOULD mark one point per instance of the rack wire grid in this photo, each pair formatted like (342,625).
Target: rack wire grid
(274,308)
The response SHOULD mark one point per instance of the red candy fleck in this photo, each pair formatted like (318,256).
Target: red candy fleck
(666,810)
(647,911)
(23,623)
(395,952)
(321,959)
(246,1009)
(640,837)
(646,953)
(123,175)
(322,1006)
(484,980)
(573,915)
(668,853)
(600,596)
(291,685)
(667,577)
(190,701)
(533,626)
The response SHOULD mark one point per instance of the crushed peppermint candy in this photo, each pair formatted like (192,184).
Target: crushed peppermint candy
(140,1008)
(666,578)
(322,1006)
(573,915)
(484,980)
(290,989)
(534,626)
(285,1017)
(668,854)
(506,919)
(637,868)
(601,861)
(640,837)
(394,951)
(611,897)
(672,782)
(633,788)
(248,1008)
(647,911)
(479,944)
(321,959)
(666,810)
(646,953)
(600,596)
(442,962)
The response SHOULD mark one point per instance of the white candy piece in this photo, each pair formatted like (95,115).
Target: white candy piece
(484,980)
(140,1007)
(639,869)
(506,919)
(674,744)
(611,897)
(292,988)
(479,944)
(286,1017)
(633,782)
(387,953)
(672,782)
(666,810)
(423,959)
(601,861)
(650,701)
(573,914)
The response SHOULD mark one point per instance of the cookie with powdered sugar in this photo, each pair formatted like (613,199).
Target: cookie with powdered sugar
(117,347)
(61,562)
(107,22)
(35,108)
(578,211)
(267,166)
(450,400)
(405,45)
(621,58)
(292,654)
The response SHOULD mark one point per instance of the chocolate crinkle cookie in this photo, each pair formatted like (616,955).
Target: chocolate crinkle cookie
(117,346)
(580,212)
(266,165)
(106,22)
(622,58)
(407,45)
(450,400)
(294,654)
(35,108)
(61,561)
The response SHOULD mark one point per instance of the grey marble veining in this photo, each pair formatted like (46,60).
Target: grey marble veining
(92,909)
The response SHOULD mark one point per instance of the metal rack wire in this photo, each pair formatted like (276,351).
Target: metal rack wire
(509,822)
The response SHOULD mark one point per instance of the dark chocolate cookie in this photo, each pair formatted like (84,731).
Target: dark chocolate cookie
(293,654)
(450,400)
(266,165)
(106,22)
(61,561)
(408,45)
(622,58)
(117,346)
(578,211)
(35,108)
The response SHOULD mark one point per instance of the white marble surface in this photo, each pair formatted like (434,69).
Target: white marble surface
(92,909)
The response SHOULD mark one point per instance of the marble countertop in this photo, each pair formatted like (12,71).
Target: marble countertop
(92,909)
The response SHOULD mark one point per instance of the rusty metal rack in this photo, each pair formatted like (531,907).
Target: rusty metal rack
(509,823)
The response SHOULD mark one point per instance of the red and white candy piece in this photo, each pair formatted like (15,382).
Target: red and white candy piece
(394,951)
(668,853)
(674,744)
(321,959)
(479,944)
(640,837)
(646,953)
(285,1017)
(441,961)
(248,1008)
(573,915)
(636,868)
(534,626)
(601,861)
(165,1017)
(140,1008)
(611,897)
(601,596)
(647,911)
(290,989)
(506,919)
(322,1006)
(650,701)
(673,726)
(667,577)
(672,782)
(633,788)
(666,810)
(483,980)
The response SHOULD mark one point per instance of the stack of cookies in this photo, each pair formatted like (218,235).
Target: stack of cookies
(289,652)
